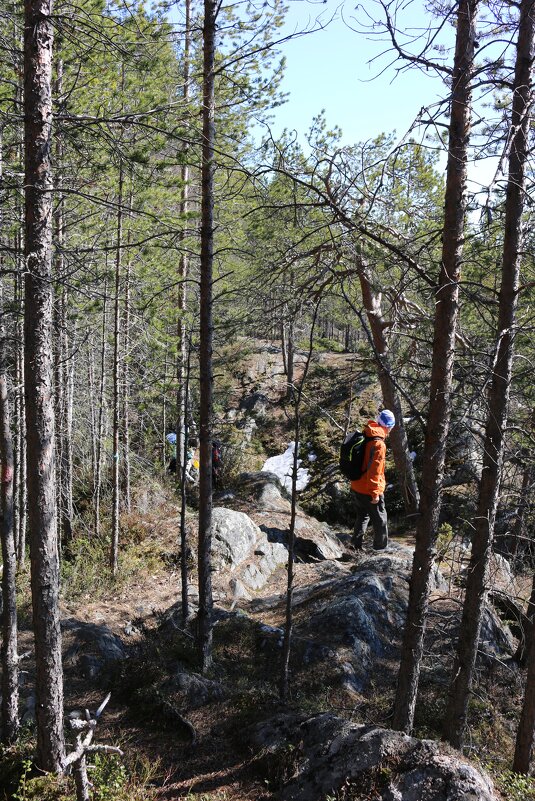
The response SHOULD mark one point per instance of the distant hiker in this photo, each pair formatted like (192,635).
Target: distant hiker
(369,489)
(192,463)
(216,463)
(171,440)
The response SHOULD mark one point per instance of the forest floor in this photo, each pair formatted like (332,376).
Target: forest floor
(219,766)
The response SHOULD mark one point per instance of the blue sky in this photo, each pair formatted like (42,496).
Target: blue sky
(348,72)
(329,69)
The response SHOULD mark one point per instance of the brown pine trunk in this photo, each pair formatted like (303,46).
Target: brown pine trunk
(446,308)
(183,529)
(20,489)
(10,669)
(182,349)
(204,622)
(498,400)
(398,437)
(526,726)
(9,654)
(38,39)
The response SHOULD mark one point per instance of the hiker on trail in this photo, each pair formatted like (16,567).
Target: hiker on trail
(368,490)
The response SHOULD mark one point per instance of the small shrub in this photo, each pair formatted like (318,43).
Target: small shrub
(513,786)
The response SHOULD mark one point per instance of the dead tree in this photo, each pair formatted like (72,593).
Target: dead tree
(76,761)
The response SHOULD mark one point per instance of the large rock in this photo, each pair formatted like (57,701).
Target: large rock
(311,758)
(234,536)
(265,489)
(362,615)
(93,646)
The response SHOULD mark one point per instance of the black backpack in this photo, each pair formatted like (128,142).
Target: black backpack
(352,455)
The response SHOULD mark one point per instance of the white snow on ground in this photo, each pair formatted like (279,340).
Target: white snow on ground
(282,466)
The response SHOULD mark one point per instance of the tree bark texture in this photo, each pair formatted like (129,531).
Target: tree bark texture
(204,622)
(498,399)
(20,489)
(445,325)
(398,437)
(526,726)
(182,345)
(10,671)
(38,39)
(183,527)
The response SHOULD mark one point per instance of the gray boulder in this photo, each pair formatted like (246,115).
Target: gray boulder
(93,646)
(97,638)
(234,536)
(311,758)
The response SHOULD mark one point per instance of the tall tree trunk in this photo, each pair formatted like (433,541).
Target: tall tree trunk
(9,656)
(204,622)
(125,472)
(101,411)
(10,671)
(183,529)
(21,505)
(498,400)
(290,359)
(391,399)
(526,726)
(115,512)
(446,308)
(38,39)
(182,354)
(20,486)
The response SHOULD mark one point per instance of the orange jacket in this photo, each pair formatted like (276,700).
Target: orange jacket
(372,482)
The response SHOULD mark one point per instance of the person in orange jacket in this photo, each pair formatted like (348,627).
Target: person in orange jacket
(369,489)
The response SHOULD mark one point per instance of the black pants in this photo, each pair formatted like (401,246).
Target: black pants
(376,512)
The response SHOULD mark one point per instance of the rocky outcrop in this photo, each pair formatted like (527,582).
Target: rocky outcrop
(92,646)
(312,758)
(234,536)
(253,553)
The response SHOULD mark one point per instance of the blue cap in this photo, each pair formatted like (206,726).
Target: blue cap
(386,419)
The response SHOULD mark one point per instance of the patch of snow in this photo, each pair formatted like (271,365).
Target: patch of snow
(282,466)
